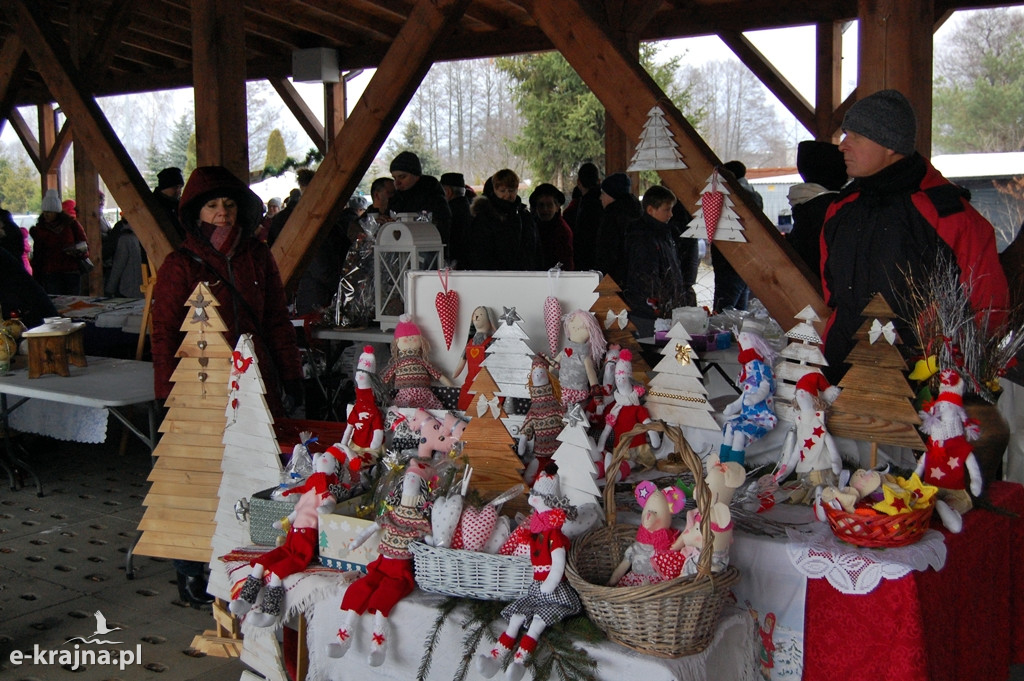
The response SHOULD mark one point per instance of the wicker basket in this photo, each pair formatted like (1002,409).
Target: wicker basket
(879,531)
(667,619)
(471,574)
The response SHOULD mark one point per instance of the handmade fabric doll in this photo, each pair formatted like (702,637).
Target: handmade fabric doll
(543,423)
(550,599)
(389,578)
(752,414)
(627,412)
(475,352)
(575,364)
(650,559)
(599,404)
(364,434)
(810,449)
(949,458)
(300,545)
(410,370)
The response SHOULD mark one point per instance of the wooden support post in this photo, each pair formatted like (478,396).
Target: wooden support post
(47,137)
(827,79)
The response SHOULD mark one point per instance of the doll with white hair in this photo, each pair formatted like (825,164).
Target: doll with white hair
(577,363)
(949,462)
(752,414)
(809,448)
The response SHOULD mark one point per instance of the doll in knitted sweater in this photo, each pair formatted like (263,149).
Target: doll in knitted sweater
(390,578)
(300,545)
(543,423)
(410,369)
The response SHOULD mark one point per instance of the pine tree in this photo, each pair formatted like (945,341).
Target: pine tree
(276,152)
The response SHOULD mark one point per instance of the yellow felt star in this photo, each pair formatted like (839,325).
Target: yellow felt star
(896,501)
(922,495)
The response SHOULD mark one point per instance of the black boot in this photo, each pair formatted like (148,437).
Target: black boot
(192,590)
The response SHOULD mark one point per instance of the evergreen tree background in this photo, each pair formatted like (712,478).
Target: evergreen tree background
(174,153)
(276,152)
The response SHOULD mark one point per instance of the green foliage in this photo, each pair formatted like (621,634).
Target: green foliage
(556,655)
(19,186)
(415,140)
(978,93)
(276,152)
(175,153)
(190,160)
(565,122)
(313,157)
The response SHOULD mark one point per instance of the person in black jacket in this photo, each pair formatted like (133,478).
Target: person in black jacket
(416,192)
(503,235)
(169,183)
(454,186)
(584,217)
(620,209)
(652,283)
(821,166)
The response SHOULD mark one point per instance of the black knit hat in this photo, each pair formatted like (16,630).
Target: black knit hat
(588,175)
(821,163)
(407,162)
(885,118)
(546,189)
(169,177)
(449,179)
(616,185)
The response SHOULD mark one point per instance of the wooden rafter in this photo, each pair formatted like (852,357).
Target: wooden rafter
(303,114)
(13,63)
(628,92)
(827,77)
(93,130)
(28,139)
(374,115)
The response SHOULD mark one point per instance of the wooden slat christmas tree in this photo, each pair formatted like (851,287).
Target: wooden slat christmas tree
(611,313)
(657,149)
(715,219)
(508,362)
(179,521)
(575,458)
(677,394)
(875,404)
(801,356)
(252,457)
(488,446)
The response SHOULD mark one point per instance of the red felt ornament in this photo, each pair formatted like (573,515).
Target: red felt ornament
(447,304)
(711,203)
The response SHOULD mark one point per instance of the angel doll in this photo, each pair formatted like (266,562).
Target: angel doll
(475,352)
(550,599)
(539,431)
(410,369)
(389,578)
(752,414)
(626,413)
(576,363)
(810,449)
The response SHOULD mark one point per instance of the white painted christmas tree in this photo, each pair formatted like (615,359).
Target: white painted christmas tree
(657,149)
(677,394)
(801,356)
(509,359)
(575,458)
(252,458)
(715,219)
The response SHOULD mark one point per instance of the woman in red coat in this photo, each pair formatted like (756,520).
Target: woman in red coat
(60,249)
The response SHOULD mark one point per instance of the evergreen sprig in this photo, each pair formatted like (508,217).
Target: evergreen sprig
(312,156)
(557,650)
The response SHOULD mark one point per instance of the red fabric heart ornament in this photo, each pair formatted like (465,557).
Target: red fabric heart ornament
(477,524)
(711,204)
(447,304)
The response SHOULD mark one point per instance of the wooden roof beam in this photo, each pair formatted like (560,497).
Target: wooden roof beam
(770,76)
(389,91)
(92,129)
(303,114)
(28,138)
(13,64)
(106,42)
(628,92)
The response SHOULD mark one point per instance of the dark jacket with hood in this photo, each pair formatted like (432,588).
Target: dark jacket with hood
(652,283)
(427,194)
(585,224)
(245,282)
(617,217)
(503,236)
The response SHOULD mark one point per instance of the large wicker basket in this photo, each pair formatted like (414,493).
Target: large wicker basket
(879,531)
(667,619)
(471,574)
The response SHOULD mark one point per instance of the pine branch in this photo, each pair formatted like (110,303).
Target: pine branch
(443,613)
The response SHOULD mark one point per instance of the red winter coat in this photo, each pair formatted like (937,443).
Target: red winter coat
(53,240)
(253,273)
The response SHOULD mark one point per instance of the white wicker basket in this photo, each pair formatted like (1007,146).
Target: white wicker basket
(471,574)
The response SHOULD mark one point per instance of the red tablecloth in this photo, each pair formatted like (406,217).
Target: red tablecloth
(963,622)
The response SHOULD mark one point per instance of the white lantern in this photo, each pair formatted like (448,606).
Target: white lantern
(402,246)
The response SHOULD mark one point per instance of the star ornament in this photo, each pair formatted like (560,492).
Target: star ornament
(510,316)
(921,495)
(574,416)
(683,354)
(895,501)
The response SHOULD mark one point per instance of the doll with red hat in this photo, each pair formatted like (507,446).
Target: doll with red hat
(549,599)
(364,432)
(752,414)
(410,369)
(625,414)
(539,432)
(949,462)
(390,577)
(809,448)
(300,545)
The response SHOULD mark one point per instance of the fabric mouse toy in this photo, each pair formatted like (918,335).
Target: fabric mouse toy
(550,599)
(650,559)
(300,545)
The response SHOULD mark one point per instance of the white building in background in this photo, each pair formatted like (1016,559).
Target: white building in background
(983,174)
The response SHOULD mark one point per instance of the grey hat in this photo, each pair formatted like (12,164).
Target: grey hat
(275,201)
(51,201)
(885,118)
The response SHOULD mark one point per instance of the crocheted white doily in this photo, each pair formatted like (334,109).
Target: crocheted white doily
(851,569)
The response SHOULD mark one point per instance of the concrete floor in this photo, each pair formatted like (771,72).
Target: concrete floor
(62,559)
